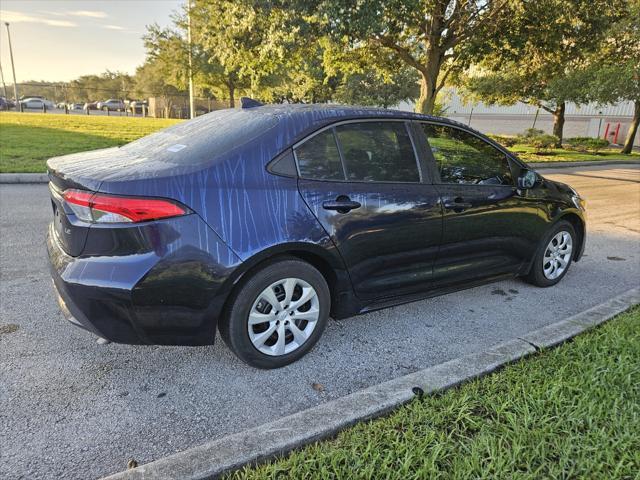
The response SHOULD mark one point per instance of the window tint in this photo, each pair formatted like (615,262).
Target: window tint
(465,159)
(284,164)
(319,158)
(377,152)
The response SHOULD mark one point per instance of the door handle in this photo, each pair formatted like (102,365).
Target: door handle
(342,204)
(457,205)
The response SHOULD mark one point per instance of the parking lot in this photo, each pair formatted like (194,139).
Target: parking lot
(70,408)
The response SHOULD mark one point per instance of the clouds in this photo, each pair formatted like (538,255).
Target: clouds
(88,13)
(12,16)
(76,13)
(44,17)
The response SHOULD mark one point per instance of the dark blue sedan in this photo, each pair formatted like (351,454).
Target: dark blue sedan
(265,220)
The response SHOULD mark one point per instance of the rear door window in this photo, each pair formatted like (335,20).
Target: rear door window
(318,158)
(463,158)
(377,152)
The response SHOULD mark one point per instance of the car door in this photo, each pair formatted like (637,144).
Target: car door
(365,185)
(490,228)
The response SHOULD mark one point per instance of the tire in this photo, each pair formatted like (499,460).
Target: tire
(546,277)
(287,334)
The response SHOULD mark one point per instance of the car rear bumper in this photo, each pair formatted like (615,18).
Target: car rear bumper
(166,296)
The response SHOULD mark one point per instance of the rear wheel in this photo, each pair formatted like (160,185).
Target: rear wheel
(277,315)
(554,255)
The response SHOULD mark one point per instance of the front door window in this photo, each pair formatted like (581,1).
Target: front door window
(463,159)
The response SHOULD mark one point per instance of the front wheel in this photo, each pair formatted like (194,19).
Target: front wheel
(554,255)
(278,314)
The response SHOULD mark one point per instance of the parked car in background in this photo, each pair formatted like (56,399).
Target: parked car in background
(61,104)
(90,106)
(135,106)
(75,106)
(6,104)
(26,97)
(264,220)
(113,104)
(36,102)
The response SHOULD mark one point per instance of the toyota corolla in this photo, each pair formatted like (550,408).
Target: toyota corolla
(262,222)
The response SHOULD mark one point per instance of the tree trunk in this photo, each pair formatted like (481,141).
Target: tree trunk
(633,129)
(232,93)
(428,84)
(427,100)
(558,123)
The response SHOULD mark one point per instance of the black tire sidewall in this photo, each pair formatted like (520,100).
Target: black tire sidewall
(536,275)
(234,327)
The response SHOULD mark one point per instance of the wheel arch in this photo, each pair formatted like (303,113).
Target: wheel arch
(327,262)
(580,228)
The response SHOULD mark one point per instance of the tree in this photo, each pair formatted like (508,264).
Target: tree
(437,38)
(540,60)
(614,71)
(106,85)
(370,77)
(150,80)
(242,41)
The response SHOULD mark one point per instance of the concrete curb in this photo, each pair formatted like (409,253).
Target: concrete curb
(281,436)
(24,178)
(591,163)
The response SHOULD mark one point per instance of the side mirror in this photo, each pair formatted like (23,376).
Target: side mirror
(527,179)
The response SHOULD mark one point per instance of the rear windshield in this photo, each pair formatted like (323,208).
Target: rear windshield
(203,138)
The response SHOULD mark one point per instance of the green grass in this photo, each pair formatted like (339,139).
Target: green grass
(528,154)
(569,412)
(27,140)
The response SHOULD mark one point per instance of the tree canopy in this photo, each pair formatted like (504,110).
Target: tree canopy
(542,58)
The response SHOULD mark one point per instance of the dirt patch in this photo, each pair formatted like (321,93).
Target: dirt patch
(9,328)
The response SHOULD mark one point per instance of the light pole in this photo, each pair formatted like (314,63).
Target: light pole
(192,112)
(13,68)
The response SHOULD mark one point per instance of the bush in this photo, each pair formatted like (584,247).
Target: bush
(531,133)
(542,143)
(504,140)
(584,144)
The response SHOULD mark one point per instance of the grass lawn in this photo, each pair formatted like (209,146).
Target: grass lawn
(27,140)
(528,154)
(569,412)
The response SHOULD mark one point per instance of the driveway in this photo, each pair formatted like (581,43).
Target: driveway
(70,408)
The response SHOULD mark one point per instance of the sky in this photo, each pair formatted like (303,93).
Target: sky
(60,40)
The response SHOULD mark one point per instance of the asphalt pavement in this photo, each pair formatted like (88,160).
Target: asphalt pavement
(70,408)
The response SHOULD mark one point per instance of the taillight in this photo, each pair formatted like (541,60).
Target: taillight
(101,208)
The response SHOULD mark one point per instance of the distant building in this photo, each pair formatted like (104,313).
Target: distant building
(607,121)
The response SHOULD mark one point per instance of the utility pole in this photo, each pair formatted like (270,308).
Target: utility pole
(192,112)
(4,87)
(13,68)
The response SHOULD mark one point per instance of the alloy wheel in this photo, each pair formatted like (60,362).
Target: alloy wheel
(283,316)
(557,255)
